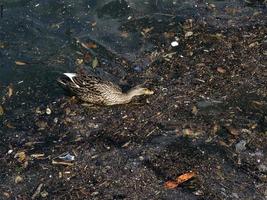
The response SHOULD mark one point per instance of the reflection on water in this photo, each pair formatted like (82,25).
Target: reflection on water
(43,33)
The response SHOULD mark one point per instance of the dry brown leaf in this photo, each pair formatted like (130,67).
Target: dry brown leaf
(1,110)
(18,179)
(94,24)
(233,131)
(169,34)
(8,125)
(221,70)
(147,30)
(124,34)
(10,91)
(179,180)
(20,63)
(194,110)
(21,156)
(90,45)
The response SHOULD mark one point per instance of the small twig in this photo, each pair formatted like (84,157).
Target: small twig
(37,191)
(61,163)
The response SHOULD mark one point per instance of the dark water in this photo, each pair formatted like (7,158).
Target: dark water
(39,40)
(43,33)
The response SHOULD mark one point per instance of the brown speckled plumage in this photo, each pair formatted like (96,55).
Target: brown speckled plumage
(94,90)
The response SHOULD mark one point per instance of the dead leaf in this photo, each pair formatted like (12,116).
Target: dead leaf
(1,110)
(169,34)
(147,30)
(188,34)
(179,180)
(233,131)
(124,34)
(95,62)
(38,155)
(18,179)
(221,70)
(90,45)
(94,24)
(194,110)
(21,156)
(2,45)
(20,63)
(79,61)
(10,91)
(8,125)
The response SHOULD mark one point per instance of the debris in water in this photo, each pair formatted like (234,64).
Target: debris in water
(48,111)
(10,90)
(38,155)
(221,70)
(37,191)
(240,146)
(9,151)
(174,44)
(67,157)
(61,163)
(18,179)
(21,156)
(44,194)
(179,180)
(194,110)
(188,34)
(1,110)
(95,63)
(21,63)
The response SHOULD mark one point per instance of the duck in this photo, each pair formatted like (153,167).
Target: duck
(94,90)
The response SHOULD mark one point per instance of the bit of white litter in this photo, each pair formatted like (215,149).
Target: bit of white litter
(10,151)
(174,44)
(48,111)
(188,34)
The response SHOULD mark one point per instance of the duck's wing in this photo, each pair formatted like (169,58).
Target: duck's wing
(88,82)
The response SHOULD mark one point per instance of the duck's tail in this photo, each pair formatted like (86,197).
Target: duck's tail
(68,79)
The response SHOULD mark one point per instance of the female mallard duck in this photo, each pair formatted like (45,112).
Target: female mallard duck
(94,90)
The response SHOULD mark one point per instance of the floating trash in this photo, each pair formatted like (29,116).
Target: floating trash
(67,157)
(174,44)
(48,111)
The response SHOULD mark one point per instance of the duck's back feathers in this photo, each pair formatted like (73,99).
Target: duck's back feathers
(88,87)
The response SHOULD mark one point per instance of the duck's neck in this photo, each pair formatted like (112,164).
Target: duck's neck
(127,97)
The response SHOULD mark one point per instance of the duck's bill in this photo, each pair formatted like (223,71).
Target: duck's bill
(149,92)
